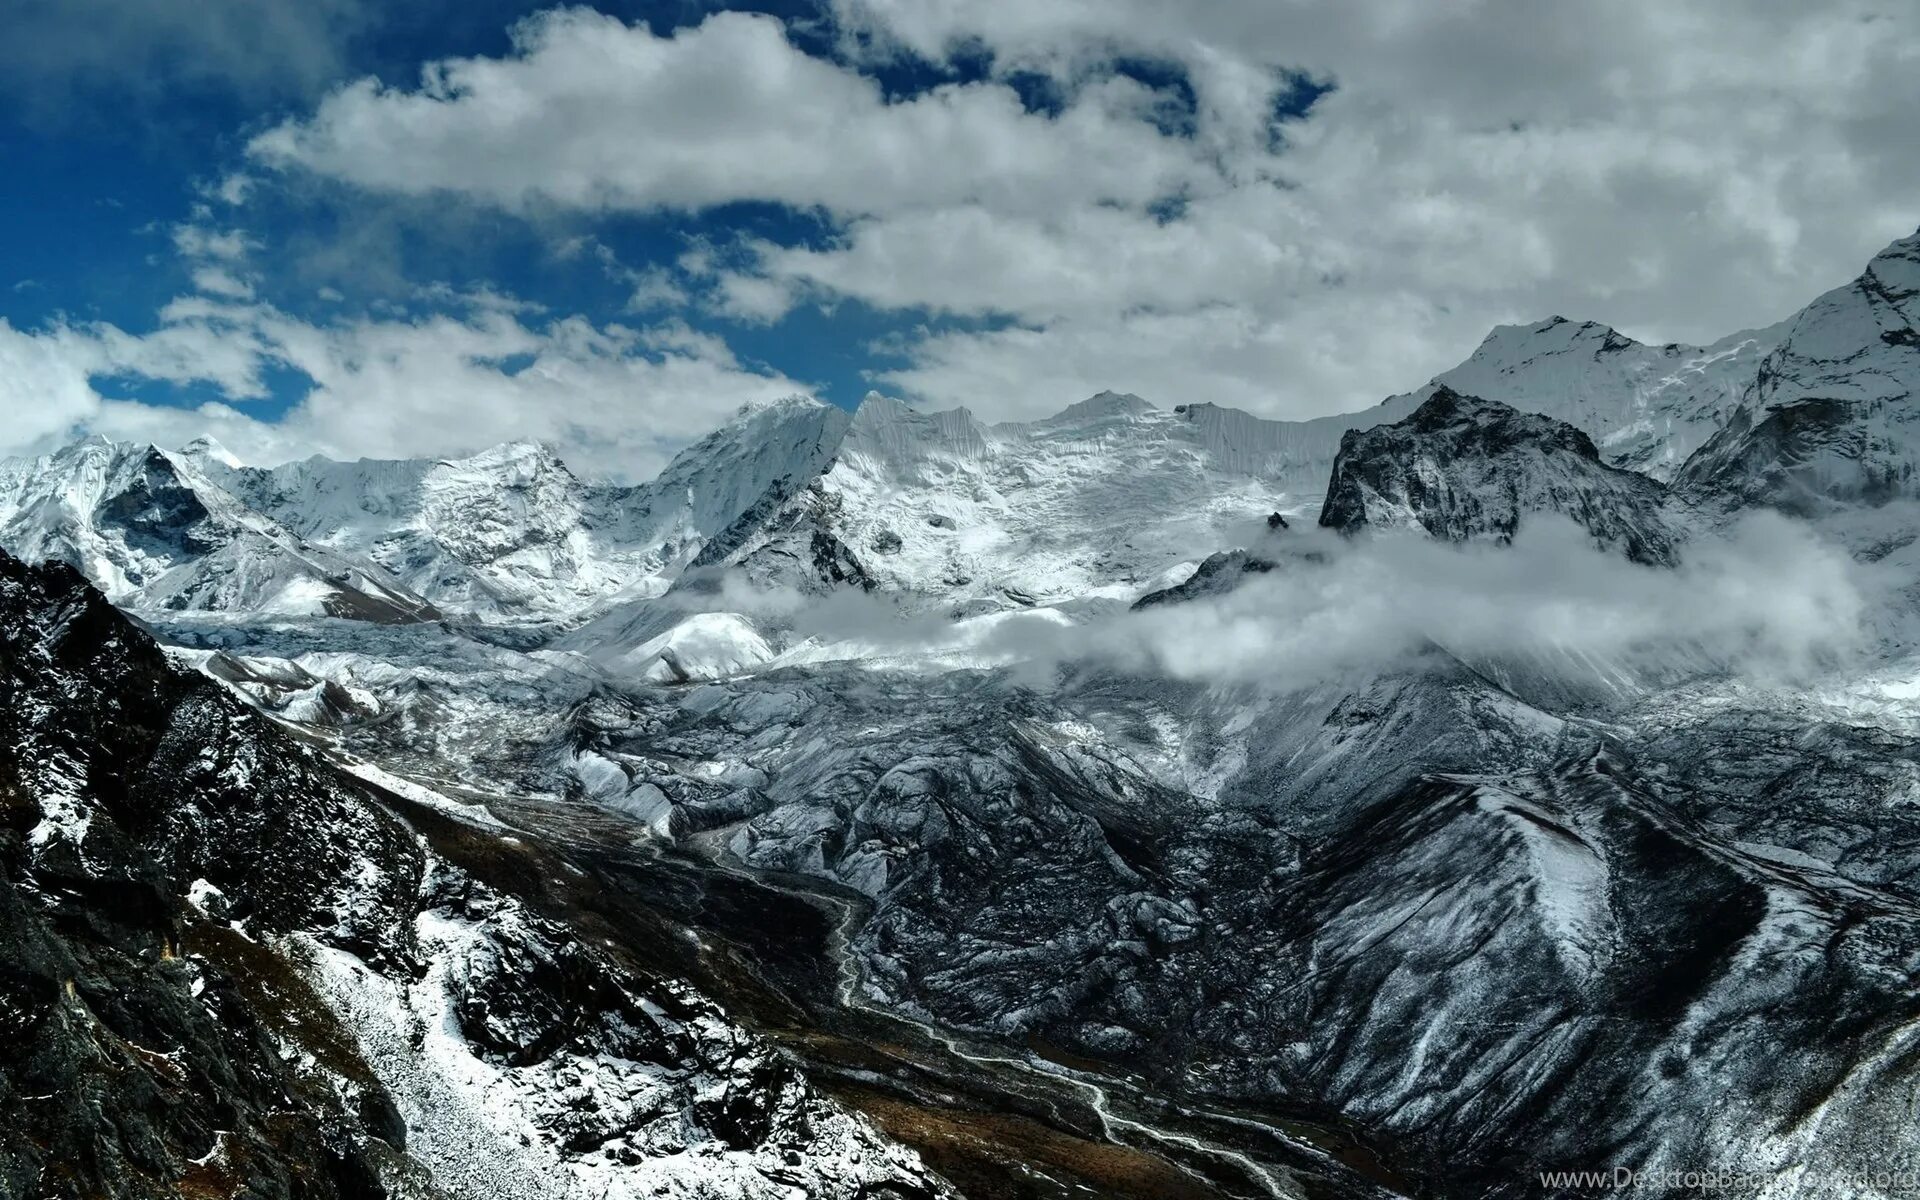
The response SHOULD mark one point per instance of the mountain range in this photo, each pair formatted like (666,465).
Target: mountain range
(1516,777)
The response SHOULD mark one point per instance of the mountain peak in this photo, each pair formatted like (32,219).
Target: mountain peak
(791,402)
(1498,426)
(1508,346)
(1103,405)
(1856,343)
(1828,420)
(879,408)
(1896,269)
(519,454)
(1463,468)
(207,448)
(895,438)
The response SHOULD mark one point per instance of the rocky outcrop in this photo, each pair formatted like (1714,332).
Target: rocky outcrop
(144,1048)
(1216,575)
(1465,469)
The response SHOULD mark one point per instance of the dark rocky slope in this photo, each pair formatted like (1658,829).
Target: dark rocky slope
(1461,468)
(201,922)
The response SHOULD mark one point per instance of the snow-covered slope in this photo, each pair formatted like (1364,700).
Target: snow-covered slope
(512,532)
(1089,504)
(1830,419)
(232,969)
(1646,407)
(154,532)
(709,484)
(506,530)
(507,534)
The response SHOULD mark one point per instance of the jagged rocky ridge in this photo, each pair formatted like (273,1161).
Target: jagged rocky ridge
(1462,468)
(231,970)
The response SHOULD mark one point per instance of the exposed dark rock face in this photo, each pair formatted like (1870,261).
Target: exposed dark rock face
(140,1059)
(159,514)
(1462,469)
(1216,575)
(788,538)
(220,960)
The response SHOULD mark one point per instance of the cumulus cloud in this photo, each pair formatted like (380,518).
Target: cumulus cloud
(591,112)
(616,400)
(1677,168)
(42,390)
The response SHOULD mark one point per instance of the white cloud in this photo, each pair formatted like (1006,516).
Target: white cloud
(43,388)
(1770,600)
(199,242)
(590,112)
(1767,598)
(1678,168)
(218,281)
(616,400)
(1223,354)
(233,189)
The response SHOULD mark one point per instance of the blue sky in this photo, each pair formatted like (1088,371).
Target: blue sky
(89,238)
(357,227)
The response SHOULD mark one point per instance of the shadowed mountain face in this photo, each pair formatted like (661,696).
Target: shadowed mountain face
(1461,468)
(887,804)
(139,1058)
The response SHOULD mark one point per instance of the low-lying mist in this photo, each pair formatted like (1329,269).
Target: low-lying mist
(1768,599)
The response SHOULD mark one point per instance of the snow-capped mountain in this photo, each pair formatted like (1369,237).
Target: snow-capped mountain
(1091,504)
(1829,418)
(500,532)
(1647,408)
(154,532)
(509,534)
(512,533)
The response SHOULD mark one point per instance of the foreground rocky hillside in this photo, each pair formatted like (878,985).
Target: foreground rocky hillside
(232,970)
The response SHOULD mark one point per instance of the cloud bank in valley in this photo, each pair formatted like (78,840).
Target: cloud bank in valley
(1772,601)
